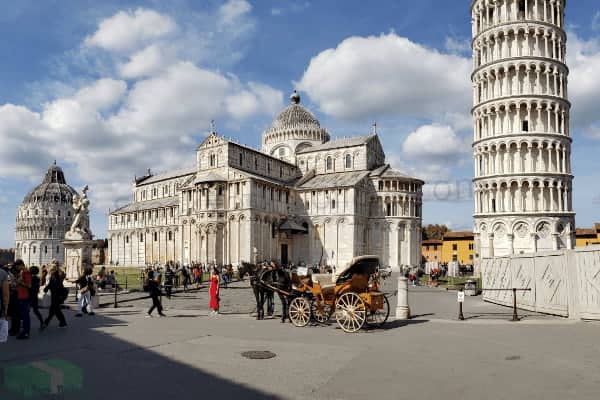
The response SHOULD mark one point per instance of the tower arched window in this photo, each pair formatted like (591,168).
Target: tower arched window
(170,235)
(155,236)
(50,231)
(329,163)
(348,161)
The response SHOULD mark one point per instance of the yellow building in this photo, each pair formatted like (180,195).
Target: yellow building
(458,246)
(431,250)
(586,237)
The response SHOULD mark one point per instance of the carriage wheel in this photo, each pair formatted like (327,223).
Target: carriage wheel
(350,312)
(376,318)
(323,315)
(299,312)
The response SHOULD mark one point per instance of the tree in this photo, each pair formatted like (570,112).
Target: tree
(434,232)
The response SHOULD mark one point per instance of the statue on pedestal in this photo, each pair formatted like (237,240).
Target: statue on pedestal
(80,228)
(78,240)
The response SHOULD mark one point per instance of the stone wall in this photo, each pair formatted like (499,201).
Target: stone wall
(564,283)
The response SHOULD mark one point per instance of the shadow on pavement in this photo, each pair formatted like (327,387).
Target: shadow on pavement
(82,362)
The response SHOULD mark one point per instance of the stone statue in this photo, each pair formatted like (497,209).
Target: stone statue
(80,228)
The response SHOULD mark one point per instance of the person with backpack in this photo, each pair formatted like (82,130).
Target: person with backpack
(33,295)
(86,291)
(58,295)
(154,290)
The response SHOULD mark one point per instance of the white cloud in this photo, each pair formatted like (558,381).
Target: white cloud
(434,142)
(583,59)
(233,11)
(128,30)
(387,75)
(151,120)
(596,21)
(458,46)
(147,61)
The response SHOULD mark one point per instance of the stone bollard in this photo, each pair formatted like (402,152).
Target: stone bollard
(402,308)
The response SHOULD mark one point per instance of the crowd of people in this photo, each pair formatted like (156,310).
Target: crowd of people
(20,287)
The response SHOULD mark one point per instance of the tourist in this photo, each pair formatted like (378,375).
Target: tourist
(44,276)
(58,294)
(101,278)
(24,285)
(4,293)
(33,294)
(154,290)
(214,291)
(86,292)
(197,276)
(111,279)
(169,276)
(186,277)
(13,304)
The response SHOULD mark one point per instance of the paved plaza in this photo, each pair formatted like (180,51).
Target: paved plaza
(120,354)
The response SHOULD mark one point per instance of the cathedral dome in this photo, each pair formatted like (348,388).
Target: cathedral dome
(43,218)
(294,116)
(293,129)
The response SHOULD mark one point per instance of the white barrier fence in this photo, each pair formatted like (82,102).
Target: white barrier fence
(564,283)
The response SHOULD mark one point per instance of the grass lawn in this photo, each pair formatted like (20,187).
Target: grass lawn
(450,282)
(127,277)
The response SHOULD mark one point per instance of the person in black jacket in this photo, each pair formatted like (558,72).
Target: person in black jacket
(169,277)
(57,296)
(33,294)
(154,290)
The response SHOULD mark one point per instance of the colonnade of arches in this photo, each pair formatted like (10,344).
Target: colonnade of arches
(514,78)
(488,13)
(522,40)
(521,116)
(396,206)
(277,136)
(524,156)
(523,196)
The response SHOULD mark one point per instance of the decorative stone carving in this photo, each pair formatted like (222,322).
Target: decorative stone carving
(80,228)
(543,230)
(521,230)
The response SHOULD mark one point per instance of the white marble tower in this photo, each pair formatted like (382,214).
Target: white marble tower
(521,143)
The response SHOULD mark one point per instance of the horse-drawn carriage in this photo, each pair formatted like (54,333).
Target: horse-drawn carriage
(352,295)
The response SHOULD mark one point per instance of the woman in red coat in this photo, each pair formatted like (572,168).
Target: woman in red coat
(214,292)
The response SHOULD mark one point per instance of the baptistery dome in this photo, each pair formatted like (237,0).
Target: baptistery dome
(43,218)
(294,129)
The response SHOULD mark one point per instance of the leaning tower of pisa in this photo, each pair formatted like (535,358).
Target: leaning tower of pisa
(521,143)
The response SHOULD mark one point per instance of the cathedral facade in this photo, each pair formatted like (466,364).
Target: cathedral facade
(302,198)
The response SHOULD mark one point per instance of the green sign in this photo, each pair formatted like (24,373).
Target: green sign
(43,378)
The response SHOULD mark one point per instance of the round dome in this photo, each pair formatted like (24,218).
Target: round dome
(294,117)
(43,218)
(54,188)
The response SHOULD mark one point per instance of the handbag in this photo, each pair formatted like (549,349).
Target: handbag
(3,330)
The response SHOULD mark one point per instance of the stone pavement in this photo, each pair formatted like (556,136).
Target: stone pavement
(188,355)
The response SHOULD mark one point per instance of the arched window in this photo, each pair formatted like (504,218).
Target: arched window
(348,161)
(241,158)
(155,236)
(332,204)
(126,239)
(50,231)
(212,160)
(45,249)
(141,238)
(329,163)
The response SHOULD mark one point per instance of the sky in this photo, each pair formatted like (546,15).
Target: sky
(109,89)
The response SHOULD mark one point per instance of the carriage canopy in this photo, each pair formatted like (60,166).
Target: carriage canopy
(358,265)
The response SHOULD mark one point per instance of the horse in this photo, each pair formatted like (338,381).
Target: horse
(265,280)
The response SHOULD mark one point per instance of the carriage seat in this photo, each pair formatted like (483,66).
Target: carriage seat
(325,280)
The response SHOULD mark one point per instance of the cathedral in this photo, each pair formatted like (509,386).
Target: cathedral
(303,198)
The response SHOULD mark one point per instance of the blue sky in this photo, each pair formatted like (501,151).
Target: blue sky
(111,88)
